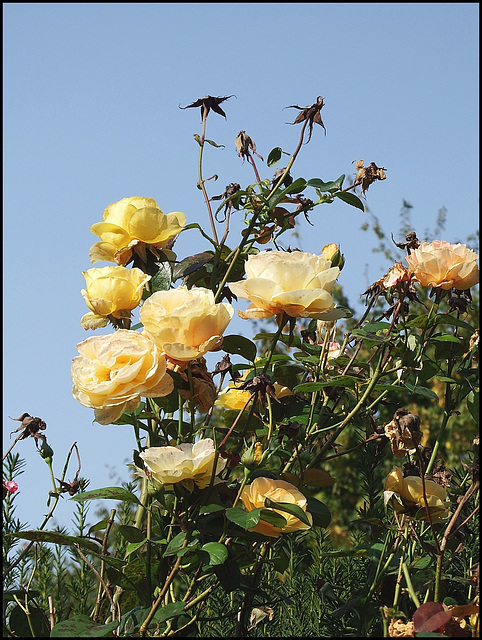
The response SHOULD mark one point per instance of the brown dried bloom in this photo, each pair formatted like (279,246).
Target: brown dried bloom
(399,629)
(204,391)
(243,144)
(367,175)
(207,103)
(404,433)
(310,114)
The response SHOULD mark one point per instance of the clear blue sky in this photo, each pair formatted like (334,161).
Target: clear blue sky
(91,97)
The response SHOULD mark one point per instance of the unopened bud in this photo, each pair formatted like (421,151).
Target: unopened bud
(46,452)
(252,457)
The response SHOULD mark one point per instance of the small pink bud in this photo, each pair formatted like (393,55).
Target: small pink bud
(10,486)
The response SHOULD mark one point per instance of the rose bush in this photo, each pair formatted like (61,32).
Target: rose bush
(111,291)
(445,265)
(184,463)
(185,323)
(254,495)
(410,493)
(133,224)
(296,283)
(112,372)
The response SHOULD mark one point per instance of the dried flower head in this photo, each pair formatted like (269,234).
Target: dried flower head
(207,103)
(243,144)
(310,114)
(404,433)
(365,176)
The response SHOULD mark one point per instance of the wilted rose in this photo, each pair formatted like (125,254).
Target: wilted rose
(113,371)
(295,283)
(133,224)
(204,391)
(410,493)
(111,291)
(184,463)
(185,323)
(397,273)
(444,265)
(255,494)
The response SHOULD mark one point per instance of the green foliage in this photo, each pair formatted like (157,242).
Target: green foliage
(316,413)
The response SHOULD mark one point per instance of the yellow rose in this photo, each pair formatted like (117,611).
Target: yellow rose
(254,495)
(183,463)
(185,323)
(296,283)
(444,265)
(112,291)
(410,492)
(132,224)
(113,371)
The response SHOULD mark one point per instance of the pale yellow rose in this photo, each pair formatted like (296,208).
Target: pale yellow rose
(133,224)
(296,283)
(444,265)
(113,371)
(183,463)
(233,398)
(410,491)
(185,323)
(255,494)
(112,291)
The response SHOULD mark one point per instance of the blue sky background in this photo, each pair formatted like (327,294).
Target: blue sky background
(91,97)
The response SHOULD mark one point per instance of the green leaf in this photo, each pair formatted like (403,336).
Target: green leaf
(332,186)
(340,381)
(214,144)
(244,519)
(473,405)
(210,508)
(108,493)
(274,156)
(241,346)
(161,280)
(133,546)
(287,507)
(131,534)
(56,538)
(218,554)
(320,513)
(191,263)
(445,337)
(171,610)
(273,517)
(351,198)
(19,623)
(421,391)
(81,626)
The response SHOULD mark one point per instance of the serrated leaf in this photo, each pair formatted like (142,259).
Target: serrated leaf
(274,156)
(218,554)
(108,493)
(352,199)
(161,280)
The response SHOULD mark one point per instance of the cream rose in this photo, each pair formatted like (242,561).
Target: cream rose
(112,291)
(410,491)
(444,265)
(296,283)
(113,371)
(255,494)
(185,323)
(183,463)
(133,224)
